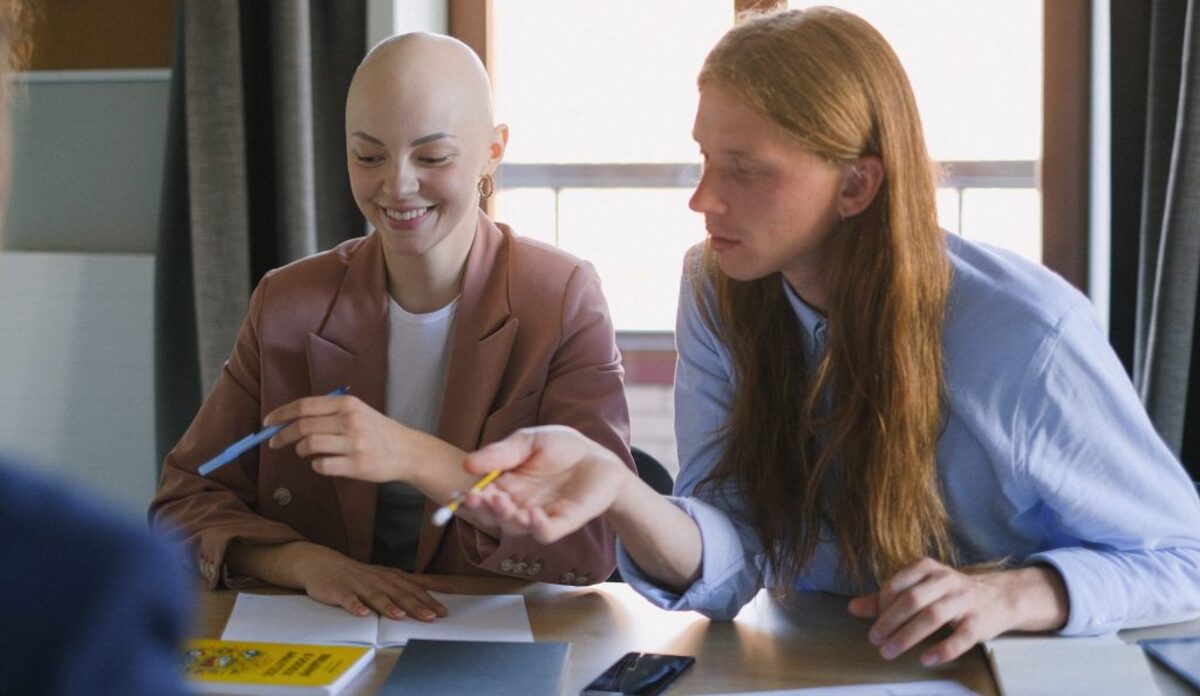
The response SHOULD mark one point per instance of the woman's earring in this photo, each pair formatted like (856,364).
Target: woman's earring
(487,186)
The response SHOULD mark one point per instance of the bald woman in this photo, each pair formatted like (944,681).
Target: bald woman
(451,333)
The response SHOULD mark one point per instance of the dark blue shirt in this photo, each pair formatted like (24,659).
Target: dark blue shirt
(89,602)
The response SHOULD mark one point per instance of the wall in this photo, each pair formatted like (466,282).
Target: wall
(76,274)
(387,17)
(102,34)
(76,370)
(88,161)
(77,280)
(652,420)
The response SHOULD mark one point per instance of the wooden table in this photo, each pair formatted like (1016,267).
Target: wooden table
(806,641)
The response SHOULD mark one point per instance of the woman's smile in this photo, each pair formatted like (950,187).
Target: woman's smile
(406,218)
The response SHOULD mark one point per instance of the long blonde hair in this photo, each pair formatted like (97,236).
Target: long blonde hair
(849,442)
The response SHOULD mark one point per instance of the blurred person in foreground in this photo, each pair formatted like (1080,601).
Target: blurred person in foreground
(89,603)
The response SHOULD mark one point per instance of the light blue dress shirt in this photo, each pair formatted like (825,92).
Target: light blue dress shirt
(1047,455)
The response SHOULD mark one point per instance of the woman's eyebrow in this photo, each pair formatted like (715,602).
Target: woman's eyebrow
(430,138)
(419,141)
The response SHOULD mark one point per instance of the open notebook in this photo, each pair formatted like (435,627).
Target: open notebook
(301,619)
(1097,666)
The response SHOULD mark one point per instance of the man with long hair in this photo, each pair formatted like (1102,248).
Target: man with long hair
(865,404)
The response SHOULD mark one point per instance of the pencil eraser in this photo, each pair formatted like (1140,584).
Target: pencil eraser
(441,516)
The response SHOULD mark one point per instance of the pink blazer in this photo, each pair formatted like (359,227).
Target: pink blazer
(532,344)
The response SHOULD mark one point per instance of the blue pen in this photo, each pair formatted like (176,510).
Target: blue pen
(238,448)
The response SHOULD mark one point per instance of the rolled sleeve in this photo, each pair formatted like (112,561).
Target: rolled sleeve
(729,570)
(1123,516)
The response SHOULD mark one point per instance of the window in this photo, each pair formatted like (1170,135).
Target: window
(600,98)
(976,70)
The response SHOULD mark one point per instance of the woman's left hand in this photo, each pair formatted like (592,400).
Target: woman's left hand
(346,437)
(917,601)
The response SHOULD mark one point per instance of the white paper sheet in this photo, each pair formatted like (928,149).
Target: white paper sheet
(296,619)
(921,688)
(469,617)
(301,619)
(1097,666)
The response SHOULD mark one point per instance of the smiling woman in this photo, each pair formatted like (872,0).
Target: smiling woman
(417,153)
(450,332)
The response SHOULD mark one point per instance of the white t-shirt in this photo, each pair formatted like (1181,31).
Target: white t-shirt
(418,351)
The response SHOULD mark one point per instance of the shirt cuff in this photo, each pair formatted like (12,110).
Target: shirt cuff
(728,579)
(1093,608)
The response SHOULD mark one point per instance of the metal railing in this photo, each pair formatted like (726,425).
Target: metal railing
(958,176)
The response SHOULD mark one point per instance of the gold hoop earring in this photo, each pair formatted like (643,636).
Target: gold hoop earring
(487,186)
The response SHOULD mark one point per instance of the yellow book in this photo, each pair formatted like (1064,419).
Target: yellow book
(243,667)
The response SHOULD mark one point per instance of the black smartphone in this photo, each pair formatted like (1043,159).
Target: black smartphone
(644,674)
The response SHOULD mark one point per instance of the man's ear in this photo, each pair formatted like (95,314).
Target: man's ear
(860,184)
(496,148)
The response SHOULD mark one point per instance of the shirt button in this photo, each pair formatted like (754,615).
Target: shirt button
(534,568)
(567,578)
(281,496)
(520,567)
(507,565)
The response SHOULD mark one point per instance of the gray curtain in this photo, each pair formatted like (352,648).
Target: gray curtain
(255,174)
(1166,345)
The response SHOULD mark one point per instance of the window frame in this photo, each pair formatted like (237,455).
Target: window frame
(1062,173)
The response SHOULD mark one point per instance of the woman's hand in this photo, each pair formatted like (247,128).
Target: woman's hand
(555,481)
(917,601)
(333,578)
(359,588)
(346,437)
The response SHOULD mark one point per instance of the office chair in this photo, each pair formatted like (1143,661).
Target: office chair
(656,476)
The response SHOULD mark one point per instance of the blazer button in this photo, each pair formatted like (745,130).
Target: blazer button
(281,496)
(520,568)
(534,568)
(507,565)
(567,578)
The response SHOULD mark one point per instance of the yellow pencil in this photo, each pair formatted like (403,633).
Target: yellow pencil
(443,514)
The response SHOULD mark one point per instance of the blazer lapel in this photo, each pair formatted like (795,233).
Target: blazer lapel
(350,349)
(481,342)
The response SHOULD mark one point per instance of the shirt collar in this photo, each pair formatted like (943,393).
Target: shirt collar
(812,323)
